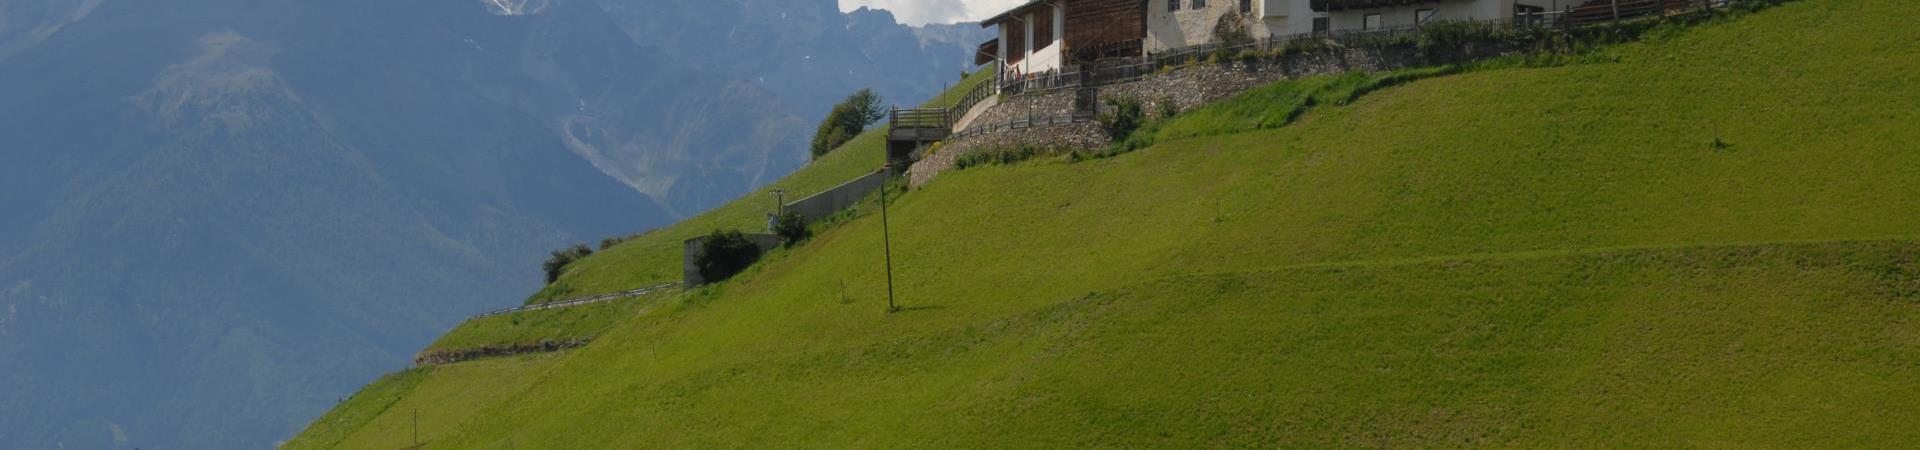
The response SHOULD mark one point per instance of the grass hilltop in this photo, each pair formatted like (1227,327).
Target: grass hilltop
(1710,238)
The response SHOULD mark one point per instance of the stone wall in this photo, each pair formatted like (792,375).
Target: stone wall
(1054,103)
(1059,138)
(691,272)
(838,198)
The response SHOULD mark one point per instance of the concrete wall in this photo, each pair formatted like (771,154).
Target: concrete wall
(841,197)
(691,272)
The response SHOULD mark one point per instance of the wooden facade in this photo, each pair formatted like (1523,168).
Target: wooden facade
(1105,28)
(1094,28)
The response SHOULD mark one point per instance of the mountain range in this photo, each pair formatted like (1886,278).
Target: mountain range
(222,216)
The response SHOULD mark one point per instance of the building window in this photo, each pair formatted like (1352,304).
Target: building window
(1199,5)
(1371,23)
(1322,25)
(1173,5)
(1246,6)
(1422,16)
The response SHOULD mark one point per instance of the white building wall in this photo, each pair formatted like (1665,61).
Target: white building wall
(1404,16)
(1286,17)
(1049,57)
(1188,26)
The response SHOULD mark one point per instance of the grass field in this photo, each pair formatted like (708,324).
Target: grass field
(1710,241)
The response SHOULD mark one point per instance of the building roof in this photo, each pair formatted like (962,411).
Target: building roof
(1002,17)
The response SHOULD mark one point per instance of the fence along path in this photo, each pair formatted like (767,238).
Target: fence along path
(572,302)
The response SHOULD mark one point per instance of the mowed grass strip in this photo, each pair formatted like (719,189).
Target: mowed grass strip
(1719,346)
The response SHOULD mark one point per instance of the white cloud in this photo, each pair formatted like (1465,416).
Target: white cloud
(921,12)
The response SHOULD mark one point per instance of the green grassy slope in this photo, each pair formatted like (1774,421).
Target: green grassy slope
(534,327)
(1520,258)
(654,258)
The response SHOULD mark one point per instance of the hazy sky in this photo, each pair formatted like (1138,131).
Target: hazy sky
(920,12)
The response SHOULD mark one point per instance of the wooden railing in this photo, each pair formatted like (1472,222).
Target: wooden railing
(978,93)
(919,119)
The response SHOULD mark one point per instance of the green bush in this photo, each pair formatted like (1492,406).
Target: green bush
(847,119)
(1009,156)
(560,259)
(1124,119)
(725,253)
(1169,108)
(792,227)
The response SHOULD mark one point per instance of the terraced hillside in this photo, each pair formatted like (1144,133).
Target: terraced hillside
(1708,239)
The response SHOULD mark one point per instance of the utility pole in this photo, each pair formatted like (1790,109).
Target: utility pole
(416,428)
(779,208)
(886,238)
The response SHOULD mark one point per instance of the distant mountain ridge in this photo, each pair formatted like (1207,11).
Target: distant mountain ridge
(219,216)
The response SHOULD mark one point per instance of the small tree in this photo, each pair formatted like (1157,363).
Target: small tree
(792,227)
(725,253)
(558,262)
(847,119)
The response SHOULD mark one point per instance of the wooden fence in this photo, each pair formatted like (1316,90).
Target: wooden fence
(978,93)
(918,119)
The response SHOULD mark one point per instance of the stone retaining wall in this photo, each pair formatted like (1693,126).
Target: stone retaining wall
(1061,138)
(1055,103)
